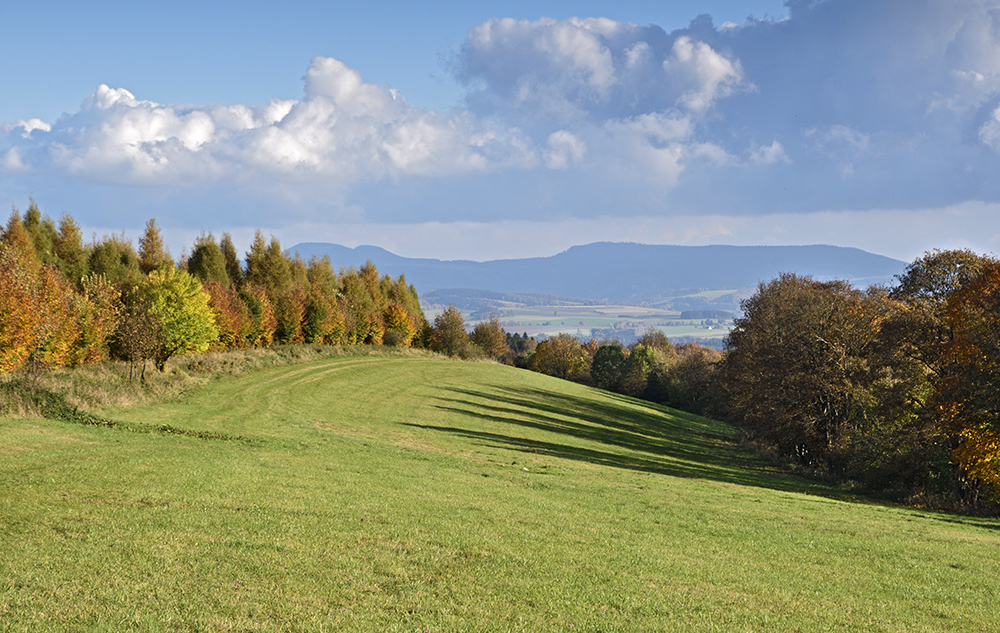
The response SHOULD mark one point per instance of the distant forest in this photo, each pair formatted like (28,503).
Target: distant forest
(895,389)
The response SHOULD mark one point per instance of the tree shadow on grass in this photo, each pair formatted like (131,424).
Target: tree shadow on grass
(611,430)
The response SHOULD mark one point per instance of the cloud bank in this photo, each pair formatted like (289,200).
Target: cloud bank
(845,105)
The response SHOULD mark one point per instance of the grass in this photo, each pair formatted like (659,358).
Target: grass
(412,493)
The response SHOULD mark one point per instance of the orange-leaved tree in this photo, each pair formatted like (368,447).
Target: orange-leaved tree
(968,391)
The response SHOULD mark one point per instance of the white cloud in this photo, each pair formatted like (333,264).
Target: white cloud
(571,70)
(564,149)
(769,154)
(342,131)
(31,125)
(706,74)
(11,161)
(989,132)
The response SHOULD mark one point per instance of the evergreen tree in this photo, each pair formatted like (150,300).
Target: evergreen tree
(71,254)
(153,252)
(42,233)
(207,262)
(116,259)
(233,267)
(268,267)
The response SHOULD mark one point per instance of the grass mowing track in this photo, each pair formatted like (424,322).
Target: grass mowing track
(414,493)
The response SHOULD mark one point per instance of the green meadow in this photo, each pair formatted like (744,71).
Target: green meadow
(405,492)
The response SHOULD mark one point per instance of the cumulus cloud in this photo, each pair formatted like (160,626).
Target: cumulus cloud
(899,99)
(342,131)
(589,69)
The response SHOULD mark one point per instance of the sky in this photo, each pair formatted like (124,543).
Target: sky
(491,130)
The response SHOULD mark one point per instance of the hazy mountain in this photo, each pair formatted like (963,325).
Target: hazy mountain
(622,273)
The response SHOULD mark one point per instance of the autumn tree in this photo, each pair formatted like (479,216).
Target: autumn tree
(796,373)
(448,335)
(20,311)
(231,315)
(491,338)
(561,356)
(98,309)
(967,398)
(38,308)
(689,382)
(406,295)
(153,253)
(260,311)
(181,305)
(400,327)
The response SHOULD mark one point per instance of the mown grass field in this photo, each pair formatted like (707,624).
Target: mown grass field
(409,493)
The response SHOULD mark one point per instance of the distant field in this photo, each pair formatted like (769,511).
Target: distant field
(421,494)
(587,321)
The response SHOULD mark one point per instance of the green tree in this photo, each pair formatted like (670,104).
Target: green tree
(657,340)
(234,270)
(42,233)
(268,267)
(606,368)
(115,259)
(642,362)
(491,338)
(207,261)
(797,371)
(181,305)
(449,335)
(71,254)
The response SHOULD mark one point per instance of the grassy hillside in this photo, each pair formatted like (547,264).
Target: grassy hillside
(415,493)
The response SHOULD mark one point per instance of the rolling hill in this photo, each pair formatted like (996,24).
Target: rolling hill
(621,272)
(400,492)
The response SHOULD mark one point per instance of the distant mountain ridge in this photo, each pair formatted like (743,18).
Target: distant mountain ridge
(622,272)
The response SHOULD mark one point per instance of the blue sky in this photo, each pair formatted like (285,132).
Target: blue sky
(478,130)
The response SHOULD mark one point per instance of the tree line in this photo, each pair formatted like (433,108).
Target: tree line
(64,302)
(895,388)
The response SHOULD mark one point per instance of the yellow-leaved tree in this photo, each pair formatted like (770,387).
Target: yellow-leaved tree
(181,305)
